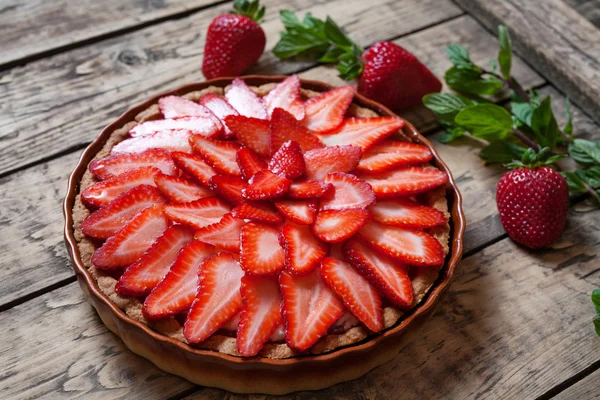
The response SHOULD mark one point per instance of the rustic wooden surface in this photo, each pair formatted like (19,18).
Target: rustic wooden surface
(590,9)
(515,324)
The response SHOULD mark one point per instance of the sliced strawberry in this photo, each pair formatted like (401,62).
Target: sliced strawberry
(228,186)
(166,140)
(218,297)
(299,211)
(130,242)
(261,313)
(224,234)
(320,162)
(363,132)
(288,161)
(257,211)
(177,107)
(387,273)
(220,108)
(111,167)
(176,292)
(308,189)
(232,324)
(285,127)
(338,225)
(266,185)
(253,133)
(286,95)
(405,212)
(245,101)
(180,190)
(102,193)
(260,252)
(144,274)
(249,162)
(199,213)
(389,154)
(309,307)
(406,182)
(358,295)
(326,112)
(348,192)
(195,167)
(303,251)
(204,126)
(220,155)
(408,245)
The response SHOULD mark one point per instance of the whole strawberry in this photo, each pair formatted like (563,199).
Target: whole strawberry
(234,42)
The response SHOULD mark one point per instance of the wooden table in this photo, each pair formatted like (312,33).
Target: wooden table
(515,323)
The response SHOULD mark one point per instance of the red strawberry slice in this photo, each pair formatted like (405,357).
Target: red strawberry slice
(363,132)
(220,108)
(408,213)
(286,95)
(348,192)
(389,154)
(338,225)
(218,154)
(106,168)
(245,101)
(261,313)
(204,126)
(299,211)
(102,193)
(288,161)
(199,213)
(180,190)
(320,162)
(177,107)
(166,140)
(406,182)
(195,167)
(224,234)
(106,221)
(218,297)
(309,307)
(260,252)
(303,251)
(326,112)
(249,162)
(386,273)
(228,186)
(285,127)
(308,189)
(176,292)
(408,245)
(266,185)
(253,133)
(129,243)
(358,295)
(257,211)
(144,274)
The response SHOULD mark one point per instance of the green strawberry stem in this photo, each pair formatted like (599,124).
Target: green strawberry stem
(249,9)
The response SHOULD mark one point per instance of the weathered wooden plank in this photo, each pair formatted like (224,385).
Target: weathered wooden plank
(587,388)
(590,9)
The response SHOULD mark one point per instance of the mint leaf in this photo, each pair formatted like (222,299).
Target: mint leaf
(469,81)
(568,129)
(523,111)
(452,133)
(592,176)
(303,37)
(459,56)
(331,56)
(585,152)
(574,181)
(596,299)
(486,121)
(446,105)
(501,151)
(336,36)
(544,124)
(505,53)
(597,325)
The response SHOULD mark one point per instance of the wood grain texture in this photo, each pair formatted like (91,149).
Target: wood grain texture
(590,9)
(587,388)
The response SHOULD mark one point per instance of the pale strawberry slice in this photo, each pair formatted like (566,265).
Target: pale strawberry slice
(166,140)
(326,112)
(204,126)
(180,190)
(338,225)
(405,212)
(229,187)
(358,295)
(303,251)
(232,324)
(220,108)
(131,241)
(405,182)
(253,133)
(320,162)
(260,252)
(176,292)
(224,234)
(386,273)
(199,213)
(266,185)
(288,161)
(408,245)
(244,100)
(111,167)
(177,107)
(309,307)
(249,162)
(144,274)
(218,297)
(195,167)
(257,211)
(261,313)
(285,127)
(105,222)
(220,155)
(348,192)
(363,132)
(286,95)
(309,189)
(299,211)
(389,154)
(102,193)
